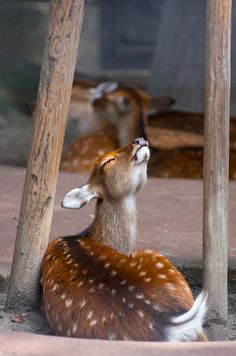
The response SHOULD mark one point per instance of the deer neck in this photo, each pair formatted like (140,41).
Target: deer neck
(115,224)
(132,125)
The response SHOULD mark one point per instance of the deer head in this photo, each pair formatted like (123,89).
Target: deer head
(116,178)
(126,107)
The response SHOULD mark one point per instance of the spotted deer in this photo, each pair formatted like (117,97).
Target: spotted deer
(121,112)
(96,285)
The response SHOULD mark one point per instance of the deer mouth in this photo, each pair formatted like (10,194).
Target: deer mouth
(142,154)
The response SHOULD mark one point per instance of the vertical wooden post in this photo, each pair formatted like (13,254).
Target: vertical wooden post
(43,163)
(216,155)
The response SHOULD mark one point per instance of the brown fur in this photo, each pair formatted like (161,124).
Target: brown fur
(95,285)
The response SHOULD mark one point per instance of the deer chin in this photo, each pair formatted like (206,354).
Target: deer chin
(141,155)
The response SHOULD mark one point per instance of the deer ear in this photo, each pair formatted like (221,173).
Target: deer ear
(102,89)
(78,197)
(160,103)
(107,87)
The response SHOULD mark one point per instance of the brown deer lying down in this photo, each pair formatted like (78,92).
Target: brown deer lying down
(185,162)
(121,112)
(178,139)
(176,129)
(96,285)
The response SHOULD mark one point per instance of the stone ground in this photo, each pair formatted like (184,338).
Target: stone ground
(170,220)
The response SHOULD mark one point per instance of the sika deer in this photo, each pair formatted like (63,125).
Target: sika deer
(95,285)
(121,112)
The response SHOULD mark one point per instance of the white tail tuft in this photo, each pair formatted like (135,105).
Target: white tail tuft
(188,326)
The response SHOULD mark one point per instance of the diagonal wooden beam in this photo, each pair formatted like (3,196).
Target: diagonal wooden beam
(216,155)
(43,163)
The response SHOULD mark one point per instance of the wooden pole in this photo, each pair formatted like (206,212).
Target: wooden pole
(216,156)
(43,163)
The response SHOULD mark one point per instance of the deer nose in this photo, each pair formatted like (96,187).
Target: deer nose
(140,141)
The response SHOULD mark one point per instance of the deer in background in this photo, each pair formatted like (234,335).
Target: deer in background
(177,138)
(121,112)
(81,109)
(96,285)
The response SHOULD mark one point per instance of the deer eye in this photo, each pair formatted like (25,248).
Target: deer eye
(108,161)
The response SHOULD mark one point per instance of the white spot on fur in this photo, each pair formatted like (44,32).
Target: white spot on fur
(113,273)
(123,300)
(93,323)
(91,280)
(113,292)
(103,257)
(104,319)
(107,265)
(132,264)
(55,287)
(140,313)
(90,315)
(92,290)
(123,282)
(82,303)
(63,296)
(159,265)
(139,296)
(147,279)
(151,326)
(74,329)
(131,288)
(112,315)
(100,286)
(81,283)
(143,273)
(68,303)
(131,305)
(170,286)
(171,271)
(161,276)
